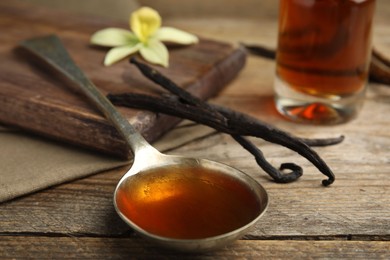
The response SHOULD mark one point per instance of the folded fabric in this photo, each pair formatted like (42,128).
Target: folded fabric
(29,163)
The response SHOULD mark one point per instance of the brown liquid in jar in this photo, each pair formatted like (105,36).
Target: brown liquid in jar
(187,202)
(324,45)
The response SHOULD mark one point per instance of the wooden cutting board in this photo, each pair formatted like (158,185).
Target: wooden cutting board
(33,99)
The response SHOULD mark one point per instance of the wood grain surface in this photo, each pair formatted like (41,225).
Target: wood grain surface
(348,220)
(130,248)
(34,99)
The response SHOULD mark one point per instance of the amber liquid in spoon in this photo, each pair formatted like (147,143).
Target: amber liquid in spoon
(187,202)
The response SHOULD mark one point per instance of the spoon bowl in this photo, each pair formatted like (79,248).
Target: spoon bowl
(187,204)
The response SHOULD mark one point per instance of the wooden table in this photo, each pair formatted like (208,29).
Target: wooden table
(349,219)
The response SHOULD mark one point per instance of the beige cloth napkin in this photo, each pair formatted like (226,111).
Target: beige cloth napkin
(30,163)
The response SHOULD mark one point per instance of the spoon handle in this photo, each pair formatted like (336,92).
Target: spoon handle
(50,50)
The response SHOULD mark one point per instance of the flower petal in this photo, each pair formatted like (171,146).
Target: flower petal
(169,34)
(112,37)
(119,53)
(144,23)
(155,52)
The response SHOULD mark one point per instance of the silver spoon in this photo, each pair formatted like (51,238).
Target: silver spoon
(186,204)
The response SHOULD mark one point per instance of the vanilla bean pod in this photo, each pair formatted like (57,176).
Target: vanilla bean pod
(317,142)
(379,68)
(296,170)
(186,97)
(260,51)
(169,85)
(269,133)
(238,125)
(261,129)
(235,128)
(171,106)
(379,65)
(283,139)
(166,83)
